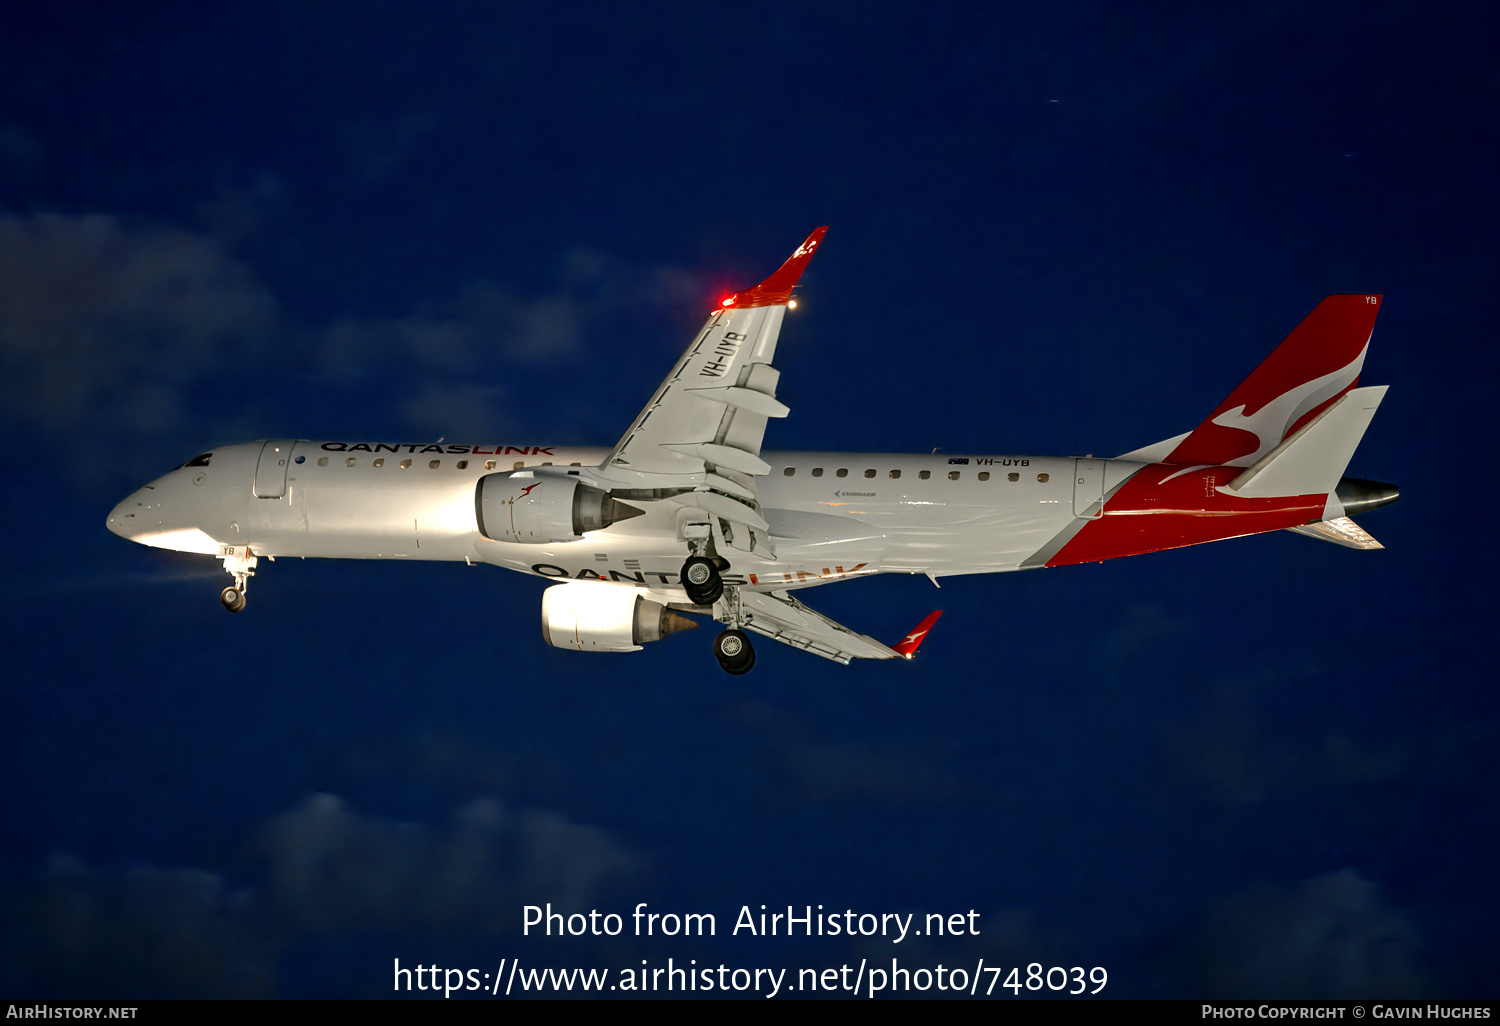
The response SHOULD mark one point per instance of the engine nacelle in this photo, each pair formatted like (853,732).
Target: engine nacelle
(605,618)
(519,506)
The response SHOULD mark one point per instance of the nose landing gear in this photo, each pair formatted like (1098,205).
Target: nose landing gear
(239,561)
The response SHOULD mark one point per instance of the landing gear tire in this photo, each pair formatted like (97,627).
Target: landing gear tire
(734,652)
(233,599)
(701,581)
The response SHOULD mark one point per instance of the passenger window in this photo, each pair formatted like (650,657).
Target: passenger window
(406,464)
(462,464)
(789,471)
(322,461)
(490,465)
(952,475)
(984,475)
(349,462)
(380,462)
(842,472)
(434,464)
(1042,478)
(924,475)
(300,460)
(1012,477)
(895,474)
(817,471)
(869,473)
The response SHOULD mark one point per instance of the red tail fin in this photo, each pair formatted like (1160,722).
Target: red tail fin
(1318,363)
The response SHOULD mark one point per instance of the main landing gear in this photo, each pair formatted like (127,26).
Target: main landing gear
(704,584)
(734,652)
(239,561)
(701,580)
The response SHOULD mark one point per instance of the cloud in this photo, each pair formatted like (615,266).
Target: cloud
(20,152)
(1331,937)
(377,150)
(138,326)
(96,317)
(831,772)
(469,366)
(485,323)
(321,869)
(86,933)
(1244,755)
(334,870)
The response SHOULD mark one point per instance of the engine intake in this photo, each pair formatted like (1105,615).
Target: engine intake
(605,618)
(520,506)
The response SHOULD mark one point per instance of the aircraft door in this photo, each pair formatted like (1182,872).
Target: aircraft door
(1088,489)
(270,471)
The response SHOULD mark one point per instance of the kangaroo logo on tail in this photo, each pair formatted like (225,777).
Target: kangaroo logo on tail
(1316,364)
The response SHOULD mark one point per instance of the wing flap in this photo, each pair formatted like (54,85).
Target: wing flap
(733,510)
(725,456)
(778,616)
(743,398)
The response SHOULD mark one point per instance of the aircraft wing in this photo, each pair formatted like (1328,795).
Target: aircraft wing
(704,426)
(778,616)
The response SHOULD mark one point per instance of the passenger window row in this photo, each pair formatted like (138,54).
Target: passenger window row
(379,461)
(353,461)
(953,475)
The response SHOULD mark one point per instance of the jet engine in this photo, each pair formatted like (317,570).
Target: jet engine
(605,618)
(520,506)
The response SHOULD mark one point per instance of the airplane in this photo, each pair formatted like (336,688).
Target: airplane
(687,515)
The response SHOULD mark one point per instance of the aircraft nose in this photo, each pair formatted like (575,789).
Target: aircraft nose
(128,519)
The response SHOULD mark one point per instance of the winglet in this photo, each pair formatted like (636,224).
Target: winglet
(777,289)
(907,646)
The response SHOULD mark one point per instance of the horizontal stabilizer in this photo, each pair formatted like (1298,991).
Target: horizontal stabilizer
(1312,461)
(1340,531)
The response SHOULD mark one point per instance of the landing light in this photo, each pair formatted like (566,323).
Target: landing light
(791,304)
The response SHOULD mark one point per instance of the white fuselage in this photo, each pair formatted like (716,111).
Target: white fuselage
(832,515)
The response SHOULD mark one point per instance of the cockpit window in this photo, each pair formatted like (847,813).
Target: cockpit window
(199,461)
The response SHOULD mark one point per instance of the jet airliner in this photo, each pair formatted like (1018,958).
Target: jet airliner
(687,515)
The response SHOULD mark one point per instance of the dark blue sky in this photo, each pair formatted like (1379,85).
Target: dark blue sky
(1258,768)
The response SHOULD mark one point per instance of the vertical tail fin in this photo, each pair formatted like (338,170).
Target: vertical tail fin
(1317,364)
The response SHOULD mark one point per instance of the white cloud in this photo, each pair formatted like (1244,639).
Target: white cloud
(142,327)
(333,869)
(326,870)
(835,773)
(1331,937)
(486,323)
(96,317)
